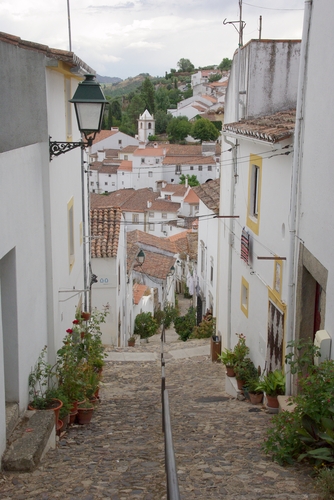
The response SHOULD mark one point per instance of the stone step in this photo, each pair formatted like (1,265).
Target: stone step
(12,417)
(32,437)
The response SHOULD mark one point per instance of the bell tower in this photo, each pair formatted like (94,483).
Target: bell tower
(146,126)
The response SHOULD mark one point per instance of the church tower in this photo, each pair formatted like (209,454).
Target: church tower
(146,126)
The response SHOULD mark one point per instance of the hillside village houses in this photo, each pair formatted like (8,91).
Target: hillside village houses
(42,245)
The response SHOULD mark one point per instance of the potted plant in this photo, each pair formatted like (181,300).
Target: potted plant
(273,384)
(244,371)
(42,387)
(85,412)
(131,341)
(255,394)
(228,358)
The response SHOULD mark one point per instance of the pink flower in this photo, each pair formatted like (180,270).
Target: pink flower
(69,330)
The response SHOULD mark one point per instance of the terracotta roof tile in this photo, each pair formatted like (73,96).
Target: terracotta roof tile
(138,292)
(273,128)
(113,199)
(128,149)
(104,134)
(191,197)
(105,226)
(149,152)
(176,189)
(190,160)
(149,240)
(165,206)
(138,201)
(209,193)
(125,166)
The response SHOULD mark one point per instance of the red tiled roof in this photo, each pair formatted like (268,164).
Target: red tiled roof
(183,150)
(126,166)
(190,160)
(105,229)
(175,189)
(149,152)
(138,201)
(147,239)
(139,292)
(209,193)
(128,149)
(113,199)
(104,134)
(164,206)
(191,197)
(209,98)
(273,128)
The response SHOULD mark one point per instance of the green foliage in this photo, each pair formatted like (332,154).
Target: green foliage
(240,349)
(245,370)
(325,484)
(184,325)
(204,130)
(145,325)
(135,108)
(42,382)
(282,442)
(147,93)
(214,77)
(185,65)
(273,383)
(188,93)
(162,99)
(161,121)
(205,329)
(192,180)
(178,128)
(301,356)
(226,64)
(227,357)
(171,313)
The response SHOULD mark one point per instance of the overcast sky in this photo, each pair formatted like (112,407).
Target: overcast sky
(126,37)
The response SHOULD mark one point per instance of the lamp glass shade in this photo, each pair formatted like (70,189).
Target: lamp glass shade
(141,257)
(89,116)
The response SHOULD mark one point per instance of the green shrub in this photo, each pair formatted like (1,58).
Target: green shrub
(184,325)
(205,329)
(325,484)
(145,325)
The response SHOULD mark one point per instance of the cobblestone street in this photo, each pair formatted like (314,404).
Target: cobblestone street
(120,454)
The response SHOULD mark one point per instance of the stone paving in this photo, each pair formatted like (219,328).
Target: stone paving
(120,454)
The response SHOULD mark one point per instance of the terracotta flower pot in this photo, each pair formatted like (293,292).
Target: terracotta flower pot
(272,401)
(85,315)
(85,415)
(131,343)
(230,371)
(55,407)
(240,384)
(256,398)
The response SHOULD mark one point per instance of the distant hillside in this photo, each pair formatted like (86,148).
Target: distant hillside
(124,87)
(108,79)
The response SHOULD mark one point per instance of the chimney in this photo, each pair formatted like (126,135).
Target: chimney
(149,204)
(186,182)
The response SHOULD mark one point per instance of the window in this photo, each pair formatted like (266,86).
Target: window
(157,160)
(191,167)
(106,184)
(209,168)
(120,141)
(113,184)
(150,173)
(200,168)
(142,160)
(122,173)
(151,227)
(244,296)
(70,222)
(92,183)
(164,215)
(109,175)
(149,125)
(125,157)
(151,214)
(168,197)
(202,257)
(178,169)
(90,173)
(254,193)
(211,270)
(135,218)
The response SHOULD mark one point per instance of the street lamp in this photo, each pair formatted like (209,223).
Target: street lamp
(89,103)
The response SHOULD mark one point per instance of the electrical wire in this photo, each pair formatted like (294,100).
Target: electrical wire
(268,8)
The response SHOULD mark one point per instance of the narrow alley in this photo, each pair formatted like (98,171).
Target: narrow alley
(120,454)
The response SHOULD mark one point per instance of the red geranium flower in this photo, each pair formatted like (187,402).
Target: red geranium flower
(75,322)
(69,330)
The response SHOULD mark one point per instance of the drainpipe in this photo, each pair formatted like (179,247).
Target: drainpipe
(296,166)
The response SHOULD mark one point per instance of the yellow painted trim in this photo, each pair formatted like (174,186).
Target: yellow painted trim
(272,297)
(65,69)
(244,303)
(70,227)
(254,222)
(278,276)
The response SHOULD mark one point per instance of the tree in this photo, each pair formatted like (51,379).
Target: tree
(214,77)
(145,325)
(147,93)
(116,109)
(226,64)
(178,128)
(192,180)
(161,121)
(135,108)
(204,130)
(185,65)
(162,99)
